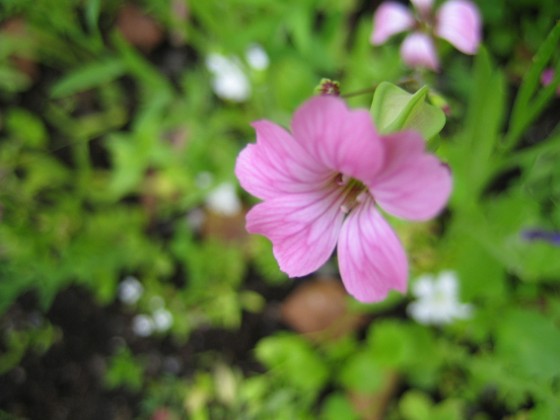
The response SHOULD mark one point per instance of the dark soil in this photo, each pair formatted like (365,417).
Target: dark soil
(67,382)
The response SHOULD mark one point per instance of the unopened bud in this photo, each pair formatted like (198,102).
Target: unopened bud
(328,87)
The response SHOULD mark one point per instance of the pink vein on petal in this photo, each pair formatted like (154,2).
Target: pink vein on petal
(341,139)
(303,228)
(413,184)
(276,164)
(371,258)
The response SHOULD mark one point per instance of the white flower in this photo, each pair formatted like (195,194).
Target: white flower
(163,319)
(130,290)
(229,81)
(223,200)
(257,57)
(438,300)
(143,325)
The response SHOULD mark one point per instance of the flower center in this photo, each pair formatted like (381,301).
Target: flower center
(353,191)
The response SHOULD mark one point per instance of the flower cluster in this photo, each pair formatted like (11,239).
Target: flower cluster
(438,302)
(457,21)
(229,80)
(323,184)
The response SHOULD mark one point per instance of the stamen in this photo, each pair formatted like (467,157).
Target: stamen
(353,190)
(342,180)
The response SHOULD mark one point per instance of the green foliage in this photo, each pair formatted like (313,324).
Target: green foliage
(531,99)
(108,153)
(18,342)
(292,359)
(88,77)
(416,405)
(124,371)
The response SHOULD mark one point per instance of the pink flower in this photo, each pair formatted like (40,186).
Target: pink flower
(547,76)
(321,185)
(457,21)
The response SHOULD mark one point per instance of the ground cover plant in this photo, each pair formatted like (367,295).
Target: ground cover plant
(299,209)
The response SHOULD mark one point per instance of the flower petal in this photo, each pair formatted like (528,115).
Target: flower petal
(277,164)
(423,287)
(303,228)
(413,184)
(390,18)
(371,258)
(458,21)
(447,284)
(336,137)
(417,50)
(421,312)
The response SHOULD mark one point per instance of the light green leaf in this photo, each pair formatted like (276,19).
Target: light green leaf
(394,109)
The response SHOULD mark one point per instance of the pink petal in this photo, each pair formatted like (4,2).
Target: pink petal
(390,18)
(277,164)
(413,184)
(423,6)
(458,21)
(341,139)
(417,50)
(547,76)
(303,228)
(371,258)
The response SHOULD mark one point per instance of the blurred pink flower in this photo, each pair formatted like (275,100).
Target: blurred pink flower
(547,76)
(321,184)
(457,21)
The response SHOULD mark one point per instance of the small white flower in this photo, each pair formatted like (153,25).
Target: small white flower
(223,200)
(257,57)
(143,325)
(130,290)
(163,319)
(437,302)
(229,81)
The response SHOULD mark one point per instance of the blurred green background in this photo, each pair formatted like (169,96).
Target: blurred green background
(128,286)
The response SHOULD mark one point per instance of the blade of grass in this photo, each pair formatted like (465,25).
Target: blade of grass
(526,110)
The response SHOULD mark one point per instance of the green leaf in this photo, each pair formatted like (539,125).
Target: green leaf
(471,152)
(337,407)
(124,370)
(294,360)
(415,405)
(390,343)
(11,80)
(362,373)
(394,109)
(530,342)
(26,127)
(89,76)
